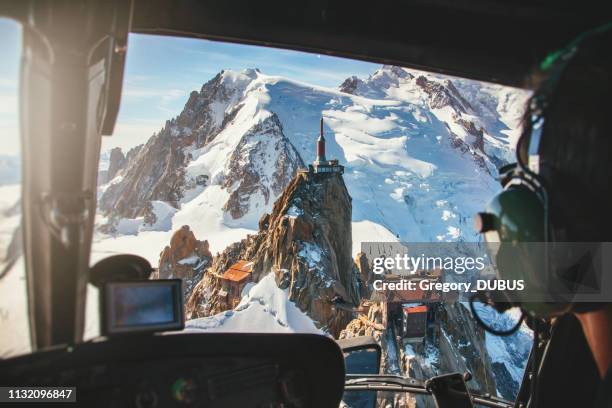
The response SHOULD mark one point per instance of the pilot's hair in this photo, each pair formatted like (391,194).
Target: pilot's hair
(576,146)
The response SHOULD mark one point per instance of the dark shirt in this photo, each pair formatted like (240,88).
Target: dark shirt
(604,393)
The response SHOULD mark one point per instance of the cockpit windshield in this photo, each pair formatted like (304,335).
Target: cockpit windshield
(263,179)
(13,296)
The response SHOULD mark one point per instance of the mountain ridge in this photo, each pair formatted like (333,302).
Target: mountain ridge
(387,143)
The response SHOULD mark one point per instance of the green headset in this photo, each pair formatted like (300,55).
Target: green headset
(520,212)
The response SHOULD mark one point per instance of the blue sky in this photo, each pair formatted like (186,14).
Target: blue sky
(162,71)
(10,47)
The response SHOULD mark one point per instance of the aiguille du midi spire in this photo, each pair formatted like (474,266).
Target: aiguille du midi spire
(321,165)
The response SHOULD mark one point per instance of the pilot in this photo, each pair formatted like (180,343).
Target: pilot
(576,164)
(565,165)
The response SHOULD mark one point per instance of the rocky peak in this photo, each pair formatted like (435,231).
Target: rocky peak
(440,96)
(476,133)
(155,173)
(116,162)
(186,258)
(205,112)
(314,217)
(157,170)
(445,94)
(450,86)
(131,154)
(306,243)
(350,85)
(395,71)
(260,167)
(365,274)
(377,84)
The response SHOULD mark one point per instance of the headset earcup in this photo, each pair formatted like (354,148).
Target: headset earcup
(519,217)
(519,213)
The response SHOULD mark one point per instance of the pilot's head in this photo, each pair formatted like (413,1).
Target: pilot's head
(574,94)
(560,188)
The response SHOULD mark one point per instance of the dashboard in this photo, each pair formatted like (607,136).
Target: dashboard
(189,370)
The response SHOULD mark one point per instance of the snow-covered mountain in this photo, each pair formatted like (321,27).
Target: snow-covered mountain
(420,152)
(466,106)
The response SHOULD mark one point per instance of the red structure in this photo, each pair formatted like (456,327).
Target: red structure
(414,323)
(321,165)
(321,146)
(233,281)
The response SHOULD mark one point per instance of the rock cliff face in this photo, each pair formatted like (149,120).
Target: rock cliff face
(457,346)
(367,324)
(116,162)
(260,172)
(442,95)
(350,85)
(446,95)
(185,258)
(257,165)
(462,347)
(306,243)
(310,248)
(365,274)
(156,173)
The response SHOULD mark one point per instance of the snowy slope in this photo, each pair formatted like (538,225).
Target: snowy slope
(15,337)
(401,170)
(13,299)
(10,217)
(264,308)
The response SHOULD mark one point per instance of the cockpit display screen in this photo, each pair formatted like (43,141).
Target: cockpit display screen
(154,305)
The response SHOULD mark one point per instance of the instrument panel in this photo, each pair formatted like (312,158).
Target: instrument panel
(190,370)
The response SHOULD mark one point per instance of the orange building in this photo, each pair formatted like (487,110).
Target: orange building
(414,323)
(233,281)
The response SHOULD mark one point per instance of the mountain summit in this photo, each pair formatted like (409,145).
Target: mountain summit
(306,244)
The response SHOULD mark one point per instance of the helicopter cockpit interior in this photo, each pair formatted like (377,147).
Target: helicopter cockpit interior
(72,70)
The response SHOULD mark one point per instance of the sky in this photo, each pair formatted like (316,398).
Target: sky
(10,48)
(161,72)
